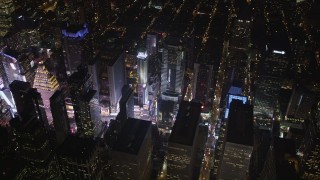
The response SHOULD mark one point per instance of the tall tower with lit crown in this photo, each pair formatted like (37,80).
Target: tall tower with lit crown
(142,61)
(46,84)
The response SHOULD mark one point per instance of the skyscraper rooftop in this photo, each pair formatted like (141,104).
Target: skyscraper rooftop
(132,135)
(185,126)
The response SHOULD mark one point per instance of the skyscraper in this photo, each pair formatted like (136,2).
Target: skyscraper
(112,78)
(239,142)
(127,102)
(172,69)
(74,46)
(182,142)
(132,153)
(151,43)
(60,117)
(81,93)
(16,66)
(46,84)
(94,70)
(28,101)
(274,69)
(142,61)
(166,112)
(300,103)
(29,130)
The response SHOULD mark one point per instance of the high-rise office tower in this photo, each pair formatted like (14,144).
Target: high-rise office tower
(234,93)
(282,161)
(127,102)
(274,69)
(28,101)
(46,84)
(29,129)
(71,116)
(5,72)
(126,111)
(94,70)
(9,71)
(6,95)
(167,111)
(58,63)
(60,116)
(112,78)
(6,8)
(78,158)
(142,61)
(189,42)
(182,142)
(172,69)
(239,142)
(132,153)
(27,66)
(16,66)
(151,43)
(300,103)
(73,44)
(81,93)
(312,171)
(95,112)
